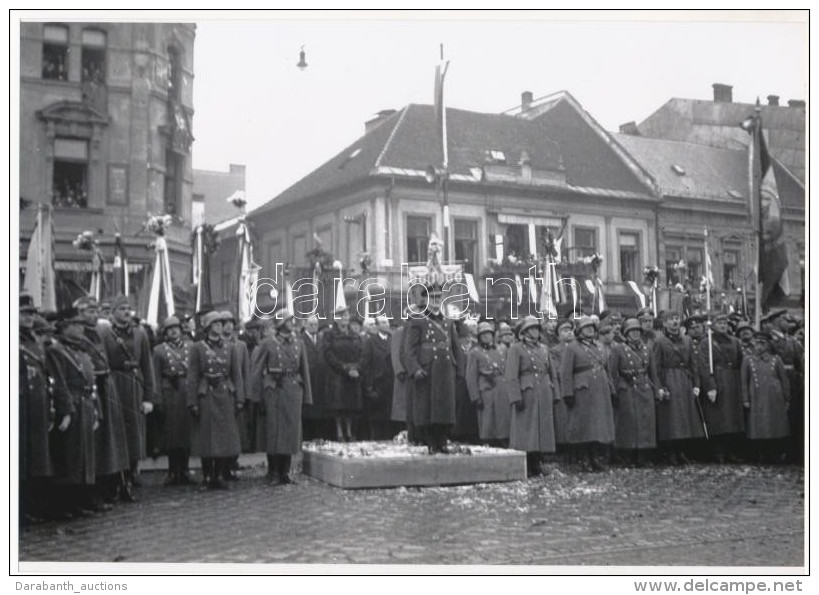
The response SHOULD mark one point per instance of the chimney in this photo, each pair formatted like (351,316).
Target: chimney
(773,99)
(526,100)
(629,128)
(796,103)
(722,93)
(238,170)
(379,118)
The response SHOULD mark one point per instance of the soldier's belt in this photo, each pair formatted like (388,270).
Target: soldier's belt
(175,375)
(127,366)
(789,366)
(586,368)
(215,376)
(100,373)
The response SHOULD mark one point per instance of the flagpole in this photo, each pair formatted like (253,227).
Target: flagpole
(756,201)
(445,164)
(708,302)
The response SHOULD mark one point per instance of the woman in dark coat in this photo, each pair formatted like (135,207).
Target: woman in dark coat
(487,387)
(77,412)
(214,389)
(766,396)
(530,384)
(587,390)
(343,354)
(635,424)
(171,368)
(280,387)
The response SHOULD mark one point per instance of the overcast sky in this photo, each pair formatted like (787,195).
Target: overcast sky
(254,107)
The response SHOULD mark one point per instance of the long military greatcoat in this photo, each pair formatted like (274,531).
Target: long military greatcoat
(171,369)
(243,417)
(466,416)
(74,395)
(487,384)
(314,347)
(725,415)
(675,368)
(280,378)
(561,412)
(111,445)
(765,386)
(131,362)
(343,352)
(400,387)
(530,378)
(35,405)
(377,373)
(431,345)
(584,375)
(214,386)
(635,422)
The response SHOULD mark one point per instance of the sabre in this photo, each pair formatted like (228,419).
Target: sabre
(701,415)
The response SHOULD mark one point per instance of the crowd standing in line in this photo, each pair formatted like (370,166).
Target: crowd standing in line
(590,392)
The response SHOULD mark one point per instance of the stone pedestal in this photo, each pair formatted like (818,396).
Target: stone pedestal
(350,466)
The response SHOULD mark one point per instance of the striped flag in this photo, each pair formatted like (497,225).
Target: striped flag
(39,279)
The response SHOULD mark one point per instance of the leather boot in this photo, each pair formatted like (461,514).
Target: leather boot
(273,476)
(284,469)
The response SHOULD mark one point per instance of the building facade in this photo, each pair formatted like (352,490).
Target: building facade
(106,111)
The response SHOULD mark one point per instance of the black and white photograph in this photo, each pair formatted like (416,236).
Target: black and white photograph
(409,292)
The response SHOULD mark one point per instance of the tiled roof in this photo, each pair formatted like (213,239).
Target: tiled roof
(685,169)
(690,170)
(716,123)
(406,143)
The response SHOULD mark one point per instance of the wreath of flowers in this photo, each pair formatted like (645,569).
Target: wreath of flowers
(157,224)
(85,241)
(365,262)
(594,260)
(651,273)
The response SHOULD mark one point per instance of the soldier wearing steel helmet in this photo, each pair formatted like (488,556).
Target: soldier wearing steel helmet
(280,388)
(487,387)
(587,390)
(531,383)
(171,369)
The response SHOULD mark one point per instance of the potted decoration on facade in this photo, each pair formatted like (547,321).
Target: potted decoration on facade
(319,258)
(365,262)
(86,242)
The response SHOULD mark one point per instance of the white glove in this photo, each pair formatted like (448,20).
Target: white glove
(65,423)
(712,395)
(146,407)
(696,391)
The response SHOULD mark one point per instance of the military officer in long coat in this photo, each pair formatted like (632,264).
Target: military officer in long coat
(675,372)
(792,355)
(343,354)
(131,363)
(635,423)
(280,387)
(431,351)
(745,333)
(400,384)
(111,447)
(36,417)
(318,422)
(77,413)
(487,387)
(466,416)
(242,356)
(530,385)
(766,396)
(564,329)
(723,407)
(587,390)
(171,369)
(378,380)
(646,318)
(214,389)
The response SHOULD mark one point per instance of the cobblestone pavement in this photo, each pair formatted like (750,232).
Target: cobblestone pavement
(699,515)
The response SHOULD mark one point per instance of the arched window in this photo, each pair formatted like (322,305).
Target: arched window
(55,52)
(93,56)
